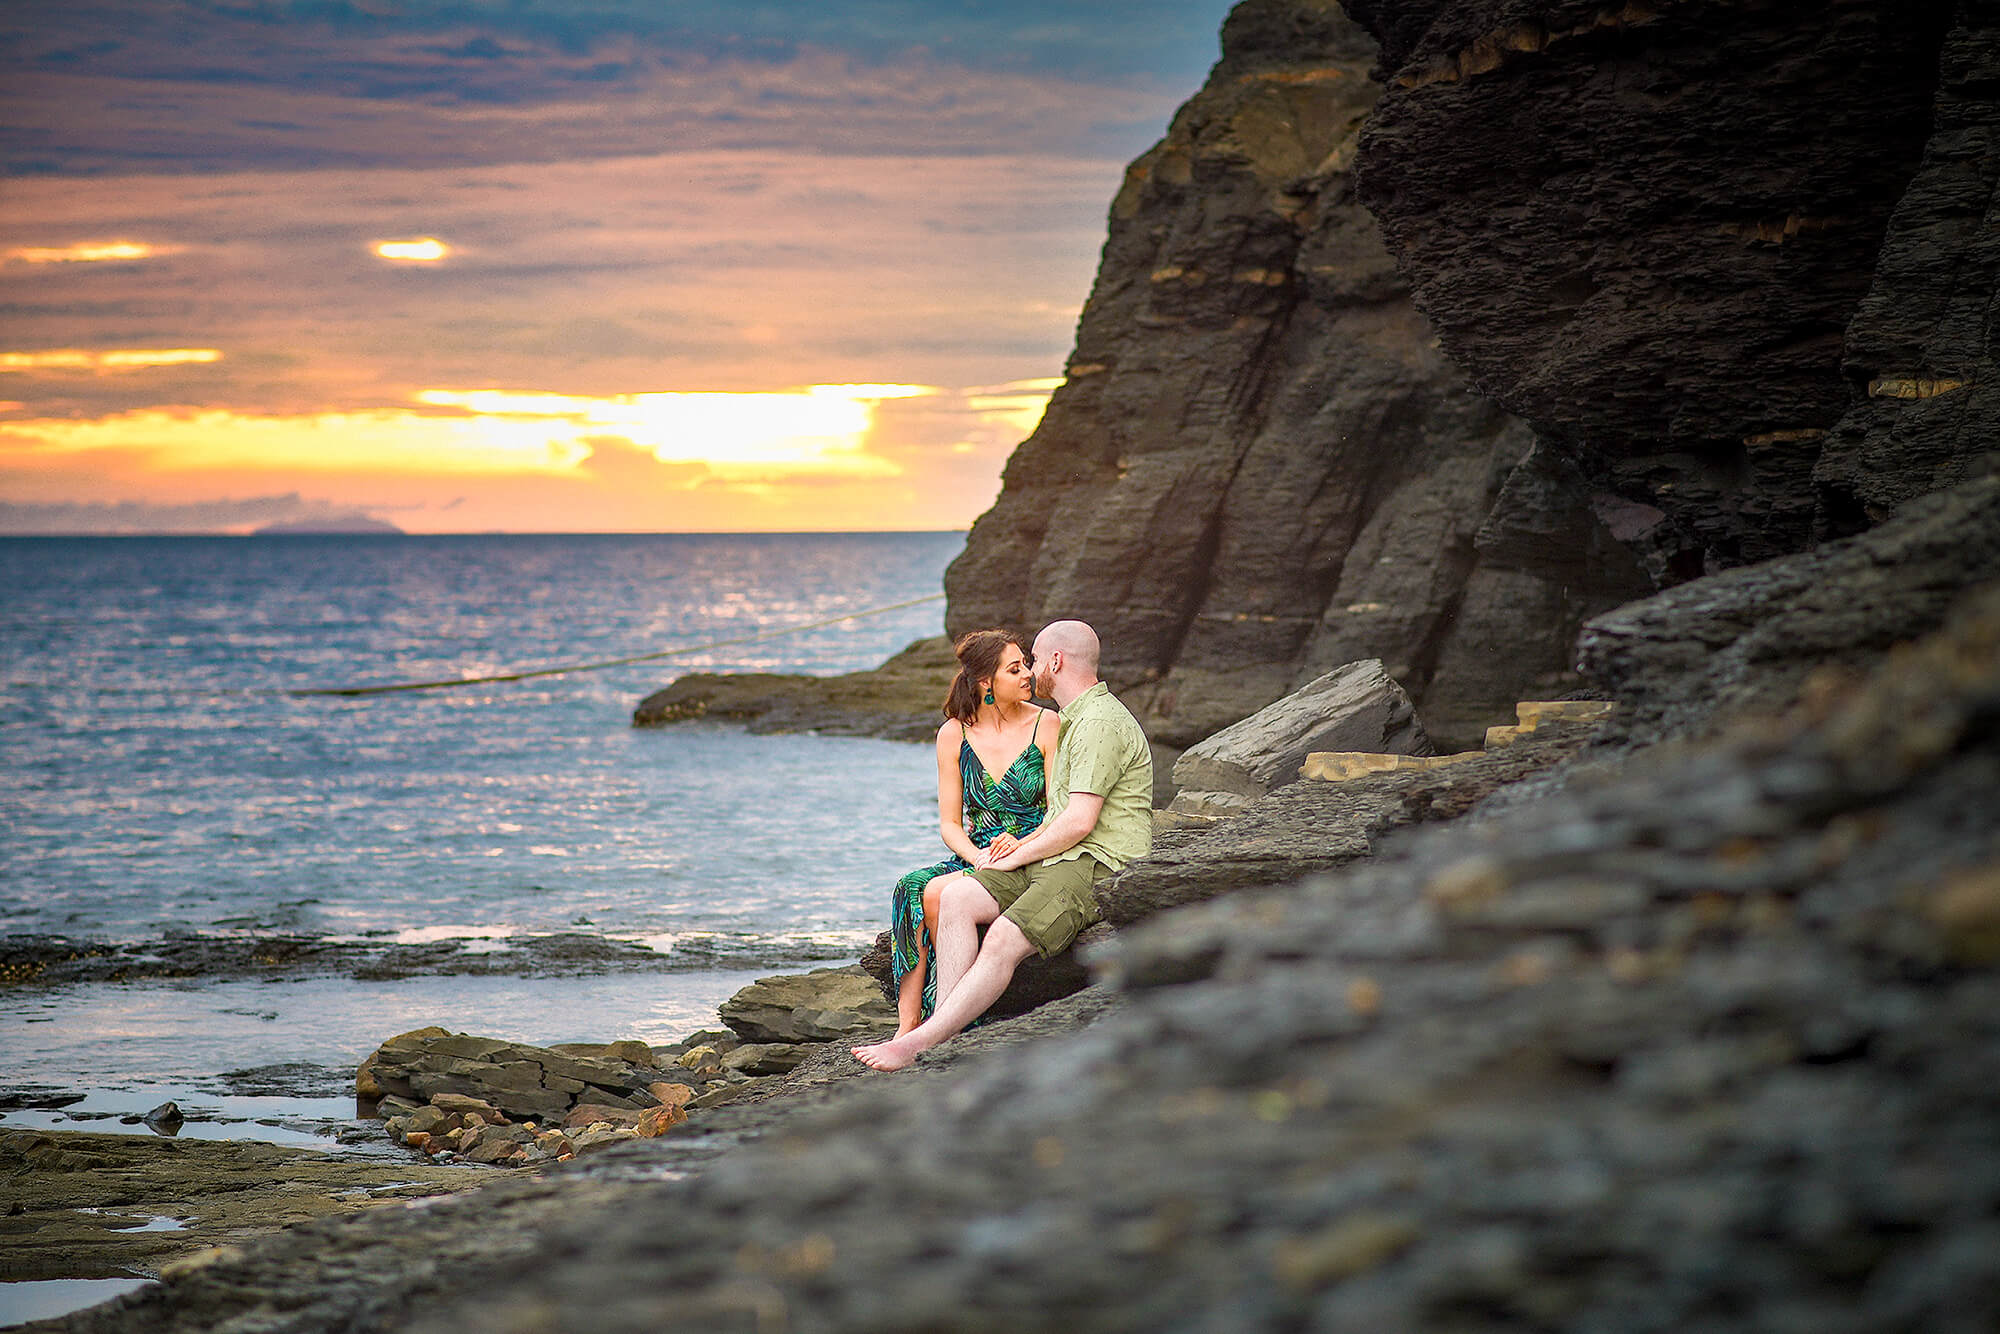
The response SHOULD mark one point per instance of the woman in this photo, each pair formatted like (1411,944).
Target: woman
(992,751)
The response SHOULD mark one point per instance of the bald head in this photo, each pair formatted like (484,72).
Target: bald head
(1065,660)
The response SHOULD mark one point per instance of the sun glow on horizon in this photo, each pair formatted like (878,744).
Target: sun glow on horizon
(415,250)
(822,427)
(831,456)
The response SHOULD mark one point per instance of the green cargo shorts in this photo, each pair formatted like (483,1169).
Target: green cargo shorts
(1049,901)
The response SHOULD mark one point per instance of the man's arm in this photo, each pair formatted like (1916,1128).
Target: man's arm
(1058,835)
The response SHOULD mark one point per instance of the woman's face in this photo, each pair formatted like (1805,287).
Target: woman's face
(1013,683)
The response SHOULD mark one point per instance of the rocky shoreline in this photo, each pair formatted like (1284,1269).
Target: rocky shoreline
(1480,1071)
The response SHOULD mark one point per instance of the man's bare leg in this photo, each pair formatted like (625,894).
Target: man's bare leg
(963,907)
(982,984)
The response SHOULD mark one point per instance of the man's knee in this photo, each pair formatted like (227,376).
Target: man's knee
(963,897)
(1007,942)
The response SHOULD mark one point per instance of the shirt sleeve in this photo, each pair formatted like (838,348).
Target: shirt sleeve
(1096,757)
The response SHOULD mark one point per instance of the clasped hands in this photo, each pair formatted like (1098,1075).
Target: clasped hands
(998,855)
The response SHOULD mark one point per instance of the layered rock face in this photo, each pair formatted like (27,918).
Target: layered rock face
(1260,466)
(1646,228)
(1921,353)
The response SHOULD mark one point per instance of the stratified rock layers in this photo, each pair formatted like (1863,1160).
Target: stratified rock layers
(1645,229)
(1260,466)
(1921,353)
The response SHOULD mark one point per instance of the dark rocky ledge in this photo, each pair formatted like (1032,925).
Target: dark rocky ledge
(901,700)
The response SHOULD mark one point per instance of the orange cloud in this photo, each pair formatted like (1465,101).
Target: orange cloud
(87,252)
(123,359)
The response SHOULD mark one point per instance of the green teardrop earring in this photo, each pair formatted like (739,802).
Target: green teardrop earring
(989,696)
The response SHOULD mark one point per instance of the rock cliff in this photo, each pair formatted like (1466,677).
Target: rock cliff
(1646,230)
(1261,466)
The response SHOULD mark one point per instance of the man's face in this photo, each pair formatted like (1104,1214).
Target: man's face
(1045,682)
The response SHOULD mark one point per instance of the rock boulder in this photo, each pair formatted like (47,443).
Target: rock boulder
(1358,707)
(824,1005)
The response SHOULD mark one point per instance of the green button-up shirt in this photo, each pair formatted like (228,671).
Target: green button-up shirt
(1103,751)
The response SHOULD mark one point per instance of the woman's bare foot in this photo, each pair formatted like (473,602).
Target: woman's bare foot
(895,1054)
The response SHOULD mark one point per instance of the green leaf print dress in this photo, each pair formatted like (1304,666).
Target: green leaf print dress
(1013,803)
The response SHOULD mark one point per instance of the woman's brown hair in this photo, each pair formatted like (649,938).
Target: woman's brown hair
(979,655)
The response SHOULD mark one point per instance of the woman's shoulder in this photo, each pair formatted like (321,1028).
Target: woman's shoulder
(950,732)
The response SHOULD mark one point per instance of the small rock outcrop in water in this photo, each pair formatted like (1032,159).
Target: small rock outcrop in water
(900,700)
(1260,466)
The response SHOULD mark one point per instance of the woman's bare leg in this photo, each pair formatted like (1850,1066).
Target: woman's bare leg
(910,995)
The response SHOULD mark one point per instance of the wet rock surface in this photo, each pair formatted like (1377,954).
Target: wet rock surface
(522,1081)
(900,701)
(74,1204)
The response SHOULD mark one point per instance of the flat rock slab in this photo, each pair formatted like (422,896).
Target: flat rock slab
(82,1205)
(1358,707)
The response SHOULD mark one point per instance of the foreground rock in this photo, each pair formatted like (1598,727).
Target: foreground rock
(82,1205)
(900,700)
(1708,1041)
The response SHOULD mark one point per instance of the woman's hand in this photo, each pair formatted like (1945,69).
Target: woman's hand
(1000,847)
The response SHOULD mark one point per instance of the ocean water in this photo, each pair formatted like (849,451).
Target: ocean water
(156,779)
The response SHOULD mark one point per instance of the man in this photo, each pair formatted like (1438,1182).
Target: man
(1034,896)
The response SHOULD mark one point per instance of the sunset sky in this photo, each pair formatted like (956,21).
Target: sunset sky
(575,265)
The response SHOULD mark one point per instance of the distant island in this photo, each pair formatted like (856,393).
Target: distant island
(349,525)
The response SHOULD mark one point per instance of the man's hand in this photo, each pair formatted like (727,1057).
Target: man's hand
(1011,862)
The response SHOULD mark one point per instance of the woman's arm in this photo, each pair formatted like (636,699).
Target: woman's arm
(951,795)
